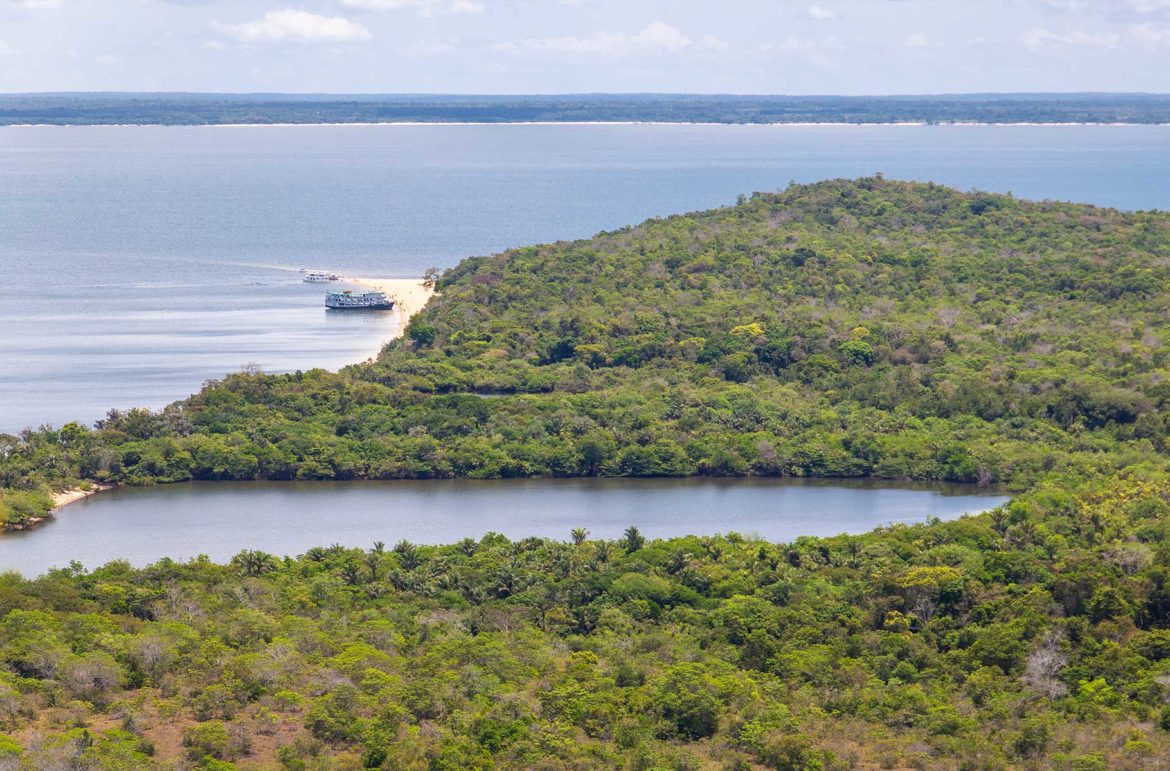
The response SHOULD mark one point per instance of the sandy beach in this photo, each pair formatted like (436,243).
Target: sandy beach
(62,498)
(409,295)
(72,495)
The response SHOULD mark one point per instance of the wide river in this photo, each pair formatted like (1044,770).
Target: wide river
(137,262)
(221,519)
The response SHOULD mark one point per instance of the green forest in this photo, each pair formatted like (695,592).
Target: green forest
(849,328)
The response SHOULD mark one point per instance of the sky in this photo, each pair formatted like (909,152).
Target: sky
(574,46)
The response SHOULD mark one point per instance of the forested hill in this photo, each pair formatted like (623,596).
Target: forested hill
(846,328)
(855,328)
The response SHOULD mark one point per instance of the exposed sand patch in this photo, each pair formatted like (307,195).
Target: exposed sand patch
(409,295)
(62,498)
(74,494)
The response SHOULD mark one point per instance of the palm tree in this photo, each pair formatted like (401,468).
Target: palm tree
(350,572)
(407,554)
(400,580)
(579,535)
(507,581)
(254,563)
(633,539)
(712,546)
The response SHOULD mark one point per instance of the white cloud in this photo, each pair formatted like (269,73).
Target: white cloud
(916,40)
(795,45)
(1148,6)
(1042,39)
(657,38)
(822,53)
(291,25)
(819,13)
(1108,7)
(435,47)
(35,5)
(421,7)
(1149,35)
(712,43)
(7,50)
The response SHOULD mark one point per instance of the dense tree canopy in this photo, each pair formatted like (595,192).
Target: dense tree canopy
(1035,636)
(848,328)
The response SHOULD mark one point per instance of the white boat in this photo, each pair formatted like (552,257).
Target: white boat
(366,301)
(315,276)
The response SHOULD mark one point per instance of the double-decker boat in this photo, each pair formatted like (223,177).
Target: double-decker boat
(350,301)
(313,276)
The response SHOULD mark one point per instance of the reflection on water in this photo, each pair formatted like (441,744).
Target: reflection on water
(221,519)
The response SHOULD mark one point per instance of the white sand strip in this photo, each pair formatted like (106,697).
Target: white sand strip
(409,295)
(74,494)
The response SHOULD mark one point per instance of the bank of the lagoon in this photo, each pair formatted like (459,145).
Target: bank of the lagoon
(161,257)
(220,519)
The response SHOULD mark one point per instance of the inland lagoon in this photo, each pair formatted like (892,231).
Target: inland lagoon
(220,519)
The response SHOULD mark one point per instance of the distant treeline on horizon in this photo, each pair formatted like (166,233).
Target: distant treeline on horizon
(211,109)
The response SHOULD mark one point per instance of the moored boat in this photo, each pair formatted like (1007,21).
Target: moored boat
(351,301)
(314,276)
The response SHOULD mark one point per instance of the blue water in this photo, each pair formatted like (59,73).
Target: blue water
(137,262)
(220,519)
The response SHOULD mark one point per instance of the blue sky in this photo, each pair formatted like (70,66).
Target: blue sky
(551,46)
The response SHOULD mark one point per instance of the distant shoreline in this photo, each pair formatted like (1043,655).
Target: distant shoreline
(794,124)
(203,109)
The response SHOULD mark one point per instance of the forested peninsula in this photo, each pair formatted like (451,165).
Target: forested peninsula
(849,328)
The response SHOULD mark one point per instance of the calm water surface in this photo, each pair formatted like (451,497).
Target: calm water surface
(221,519)
(137,262)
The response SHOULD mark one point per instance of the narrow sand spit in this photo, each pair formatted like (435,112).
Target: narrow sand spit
(409,295)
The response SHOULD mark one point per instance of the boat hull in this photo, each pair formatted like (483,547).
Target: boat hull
(386,307)
(349,301)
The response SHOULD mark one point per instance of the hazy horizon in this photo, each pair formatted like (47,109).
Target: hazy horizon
(790,47)
(517,94)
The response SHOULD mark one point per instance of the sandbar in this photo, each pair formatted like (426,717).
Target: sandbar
(409,295)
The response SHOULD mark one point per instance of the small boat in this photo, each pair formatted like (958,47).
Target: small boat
(314,276)
(366,301)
